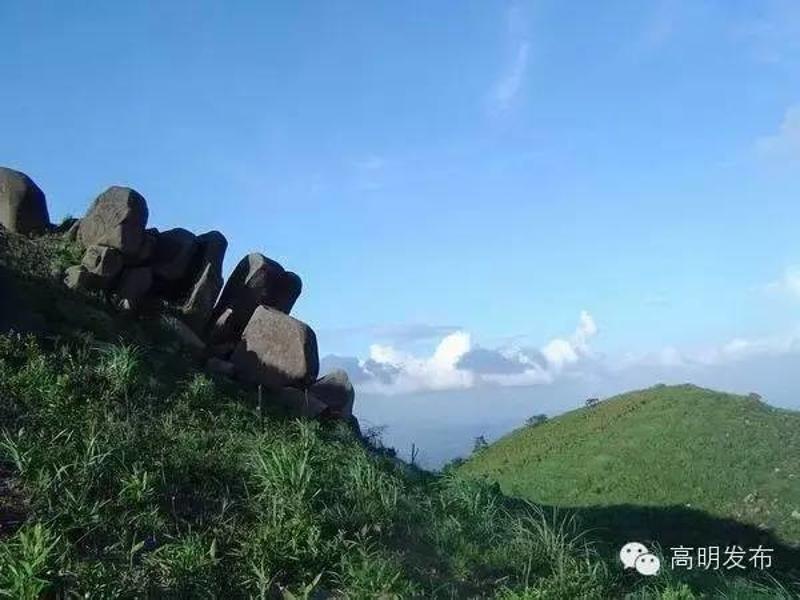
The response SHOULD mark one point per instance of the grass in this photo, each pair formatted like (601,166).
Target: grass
(143,487)
(731,456)
(676,465)
(129,473)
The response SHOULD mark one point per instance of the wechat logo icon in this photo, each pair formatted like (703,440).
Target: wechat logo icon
(636,556)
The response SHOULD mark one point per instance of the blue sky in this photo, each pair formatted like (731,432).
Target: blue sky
(489,171)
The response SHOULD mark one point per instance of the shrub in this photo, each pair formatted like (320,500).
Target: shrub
(536,420)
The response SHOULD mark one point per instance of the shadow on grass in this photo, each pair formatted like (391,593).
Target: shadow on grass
(672,526)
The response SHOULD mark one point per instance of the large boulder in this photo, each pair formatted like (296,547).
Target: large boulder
(277,351)
(78,277)
(71,234)
(174,252)
(23,208)
(147,250)
(116,219)
(133,287)
(220,367)
(299,403)
(336,392)
(286,292)
(222,333)
(206,280)
(253,282)
(184,333)
(103,262)
(65,226)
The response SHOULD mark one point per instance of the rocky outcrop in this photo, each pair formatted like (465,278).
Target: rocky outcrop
(253,283)
(175,249)
(133,288)
(205,280)
(148,248)
(79,278)
(336,392)
(23,207)
(299,403)
(184,333)
(288,289)
(103,262)
(277,351)
(220,367)
(71,234)
(240,329)
(117,219)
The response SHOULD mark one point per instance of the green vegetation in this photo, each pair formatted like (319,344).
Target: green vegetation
(676,465)
(731,456)
(127,473)
(140,486)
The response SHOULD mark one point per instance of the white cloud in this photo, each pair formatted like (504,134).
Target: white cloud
(412,373)
(509,84)
(506,89)
(788,284)
(785,144)
(733,351)
(560,353)
(457,363)
(744,348)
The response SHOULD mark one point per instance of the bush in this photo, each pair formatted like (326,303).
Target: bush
(536,420)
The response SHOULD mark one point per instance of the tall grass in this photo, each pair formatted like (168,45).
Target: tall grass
(141,484)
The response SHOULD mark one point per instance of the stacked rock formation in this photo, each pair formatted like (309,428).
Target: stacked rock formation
(241,330)
(23,208)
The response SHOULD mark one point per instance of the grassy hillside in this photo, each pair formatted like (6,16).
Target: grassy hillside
(682,447)
(127,472)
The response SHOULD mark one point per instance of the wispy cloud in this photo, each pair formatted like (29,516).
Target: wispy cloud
(733,351)
(785,143)
(788,284)
(508,86)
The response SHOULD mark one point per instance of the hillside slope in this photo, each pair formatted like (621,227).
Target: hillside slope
(126,471)
(730,456)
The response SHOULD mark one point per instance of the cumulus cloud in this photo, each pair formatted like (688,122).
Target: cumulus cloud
(458,363)
(785,143)
(484,361)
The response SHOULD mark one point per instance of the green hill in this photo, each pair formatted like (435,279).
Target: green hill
(126,471)
(683,447)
